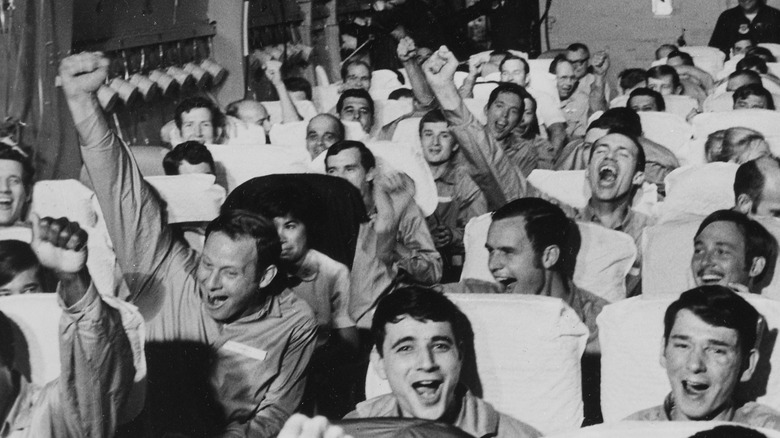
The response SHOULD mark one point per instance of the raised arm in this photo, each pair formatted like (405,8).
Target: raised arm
(289,112)
(476,62)
(407,54)
(597,97)
(95,356)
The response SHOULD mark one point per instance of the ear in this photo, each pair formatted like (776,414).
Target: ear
(752,362)
(218,132)
(638,179)
(550,256)
(744,204)
(455,146)
(662,357)
(678,90)
(268,276)
(371,174)
(379,363)
(759,263)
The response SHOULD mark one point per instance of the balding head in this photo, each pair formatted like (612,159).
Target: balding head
(250,112)
(757,187)
(322,131)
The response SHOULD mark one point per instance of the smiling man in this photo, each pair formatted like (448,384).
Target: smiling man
(322,131)
(421,339)
(709,348)
(731,250)
(16,177)
(356,105)
(199,119)
(227,344)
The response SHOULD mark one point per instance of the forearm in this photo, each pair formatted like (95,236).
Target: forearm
(466,89)
(446,94)
(596,99)
(289,111)
(422,91)
(73,287)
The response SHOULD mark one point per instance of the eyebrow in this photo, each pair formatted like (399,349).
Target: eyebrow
(402,341)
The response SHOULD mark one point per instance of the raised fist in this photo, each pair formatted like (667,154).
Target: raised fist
(83,73)
(61,245)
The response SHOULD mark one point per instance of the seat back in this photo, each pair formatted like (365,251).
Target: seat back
(680,105)
(528,351)
(767,122)
(603,261)
(325,97)
(306,109)
(189,198)
(706,58)
(384,79)
(290,134)
(631,334)
(772,47)
(655,429)
(698,190)
(566,186)
(666,129)
(408,131)
(237,164)
(477,108)
(386,111)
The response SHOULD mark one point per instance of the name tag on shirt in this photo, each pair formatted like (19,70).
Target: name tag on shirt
(245,350)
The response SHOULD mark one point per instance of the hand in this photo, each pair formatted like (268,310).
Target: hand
(83,74)
(301,426)
(406,49)
(61,245)
(440,67)
(273,71)
(739,288)
(476,63)
(600,63)
(391,181)
(442,236)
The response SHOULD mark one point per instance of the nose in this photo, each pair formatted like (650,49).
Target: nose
(695,361)
(425,359)
(495,262)
(4,187)
(213,281)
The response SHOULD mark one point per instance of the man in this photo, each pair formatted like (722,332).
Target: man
(188,158)
(483,147)
(355,73)
(740,78)
(590,74)
(322,131)
(665,80)
(199,119)
(250,112)
(574,104)
(645,99)
(710,345)
(356,105)
(757,188)
(741,45)
(16,179)
(395,245)
(96,358)
(421,340)
(460,199)
(228,344)
(752,17)
(732,250)
(632,78)
(753,96)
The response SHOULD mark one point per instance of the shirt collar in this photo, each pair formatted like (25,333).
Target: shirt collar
(589,214)
(19,416)
(309,269)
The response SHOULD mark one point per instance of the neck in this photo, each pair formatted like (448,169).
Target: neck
(723,413)
(555,285)
(438,169)
(611,213)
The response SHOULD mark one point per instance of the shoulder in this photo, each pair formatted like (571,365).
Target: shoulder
(510,427)
(656,413)
(327,265)
(758,415)
(484,420)
(296,310)
(381,406)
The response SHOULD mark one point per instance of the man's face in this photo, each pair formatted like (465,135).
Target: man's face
(769,203)
(356,109)
(292,234)
(612,168)
(749,6)
(503,115)
(664,85)
(734,83)
(642,103)
(196,125)
(514,71)
(24,282)
(254,113)
(358,76)
(741,47)
(580,59)
(528,116)
(750,102)
(185,168)
(592,135)
(227,277)
(321,133)
(438,143)
(704,365)
(512,259)
(422,363)
(13,192)
(719,256)
(346,164)
(565,80)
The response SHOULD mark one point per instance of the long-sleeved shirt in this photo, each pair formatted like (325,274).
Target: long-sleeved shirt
(243,378)
(374,275)
(96,378)
(733,24)
(499,178)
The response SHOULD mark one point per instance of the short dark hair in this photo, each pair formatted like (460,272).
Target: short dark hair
(193,152)
(729,431)
(7,343)
(237,224)
(657,97)
(715,141)
(545,225)
(399,93)
(755,78)
(432,116)
(620,118)
(286,201)
(355,92)
(15,257)
(761,52)
(686,58)
(754,63)
(421,304)
(659,71)
(518,58)
(190,103)
(354,61)
(749,180)
(631,77)
(758,241)
(15,153)
(297,83)
(671,47)
(367,159)
(641,158)
(575,47)
(507,87)
(718,306)
(559,58)
(748,90)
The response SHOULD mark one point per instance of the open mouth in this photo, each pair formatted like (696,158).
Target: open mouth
(710,277)
(608,174)
(694,388)
(428,390)
(6,204)
(217,300)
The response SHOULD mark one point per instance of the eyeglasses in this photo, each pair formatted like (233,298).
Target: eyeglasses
(582,61)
